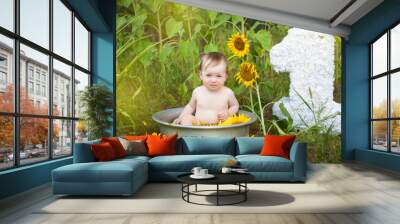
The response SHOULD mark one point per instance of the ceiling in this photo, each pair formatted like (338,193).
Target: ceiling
(327,16)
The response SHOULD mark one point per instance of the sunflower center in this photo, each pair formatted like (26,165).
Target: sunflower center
(247,74)
(239,44)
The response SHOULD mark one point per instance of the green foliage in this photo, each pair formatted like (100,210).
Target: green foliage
(324,143)
(158,49)
(97,104)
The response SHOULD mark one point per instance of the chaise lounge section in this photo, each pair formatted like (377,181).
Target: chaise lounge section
(125,176)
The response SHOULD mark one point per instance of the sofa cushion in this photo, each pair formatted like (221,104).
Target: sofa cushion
(257,163)
(249,145)
(83,152)
(103,152)
(206,145)
(160,145)
(277,145)
(111,171)
(185,163)
(116,145)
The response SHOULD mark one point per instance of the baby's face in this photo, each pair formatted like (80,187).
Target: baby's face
(214,77)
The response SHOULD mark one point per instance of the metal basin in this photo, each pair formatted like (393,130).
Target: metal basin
(166,117)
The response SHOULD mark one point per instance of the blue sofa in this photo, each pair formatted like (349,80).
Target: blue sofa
(125,176)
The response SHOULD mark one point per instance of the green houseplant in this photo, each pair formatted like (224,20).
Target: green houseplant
(96,102)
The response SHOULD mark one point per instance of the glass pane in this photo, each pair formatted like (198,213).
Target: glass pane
(379,135)
(6,142)
(62,89)
(35,21)
(395,47)
(395,94)
(33,139)
(395,136)
(62,138)
(81,81)
(7,14)
(379,55)
(6,74)
(62,29)
(34,97)
(379,97)
(81,45)
(81,131)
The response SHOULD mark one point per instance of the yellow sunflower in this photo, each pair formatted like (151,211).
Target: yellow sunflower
(235,119)
(239,45)
(247,74)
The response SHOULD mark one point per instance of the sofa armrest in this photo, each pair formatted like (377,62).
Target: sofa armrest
(298,155)
(83,152)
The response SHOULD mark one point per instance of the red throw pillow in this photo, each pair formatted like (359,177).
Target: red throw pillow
(161,145)
(103,152)
(275,145)
(116,145)
(135,137)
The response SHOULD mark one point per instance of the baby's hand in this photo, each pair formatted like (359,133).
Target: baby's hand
(222,115)
(177,121)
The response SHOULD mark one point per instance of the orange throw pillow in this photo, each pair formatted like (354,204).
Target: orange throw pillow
(135,137)
(116,145)
(276,145)
(161,145)
(103,152)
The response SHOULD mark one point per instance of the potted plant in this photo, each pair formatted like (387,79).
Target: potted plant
(96,102)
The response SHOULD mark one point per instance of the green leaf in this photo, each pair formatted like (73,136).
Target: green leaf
(212,15)
(165,52)
(236,19)
(182,89)
(153,5)
(124,3)
(188,49)
(264,37)
(172,27)
(211,47)
(221,19)
(286,113)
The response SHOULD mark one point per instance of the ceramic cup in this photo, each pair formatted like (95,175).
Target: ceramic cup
(196,171)
(203,172)
(226,170)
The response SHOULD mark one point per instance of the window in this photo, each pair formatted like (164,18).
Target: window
(43,90)
(3,78)
(30,87)
(3,71)
(41,83)
(385,97)
(38,89)
(30,72)
(6,73)
(7,14)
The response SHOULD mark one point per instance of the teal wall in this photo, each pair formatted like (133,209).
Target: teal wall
(355,124)
(99,15)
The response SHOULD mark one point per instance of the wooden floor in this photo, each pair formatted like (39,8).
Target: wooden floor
(377,188)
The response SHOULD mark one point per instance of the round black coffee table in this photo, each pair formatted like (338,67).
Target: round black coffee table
(238,179)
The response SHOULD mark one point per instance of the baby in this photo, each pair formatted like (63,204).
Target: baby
(212,102)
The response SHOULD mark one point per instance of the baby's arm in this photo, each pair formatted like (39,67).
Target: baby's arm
(189,108)
(233,107)
(233,104)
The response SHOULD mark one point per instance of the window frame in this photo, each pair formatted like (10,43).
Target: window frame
(16,114)
(388,74)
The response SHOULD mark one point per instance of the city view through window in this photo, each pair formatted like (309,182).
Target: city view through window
(39,114)
(385,82)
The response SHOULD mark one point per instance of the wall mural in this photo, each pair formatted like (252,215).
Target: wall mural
(283,80)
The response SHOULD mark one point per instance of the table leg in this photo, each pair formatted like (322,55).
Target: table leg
(217,194)
(196,188)
(245,193)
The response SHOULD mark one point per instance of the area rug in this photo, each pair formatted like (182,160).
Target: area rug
(166,198)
